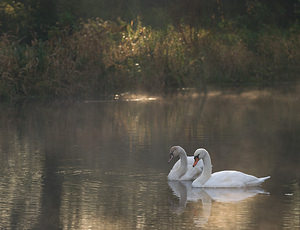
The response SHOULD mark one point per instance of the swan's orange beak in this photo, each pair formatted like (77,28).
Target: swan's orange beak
(196,161)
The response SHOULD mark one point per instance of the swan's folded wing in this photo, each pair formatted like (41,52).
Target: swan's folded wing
(229,178)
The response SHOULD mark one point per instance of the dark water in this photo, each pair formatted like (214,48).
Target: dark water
(103,164)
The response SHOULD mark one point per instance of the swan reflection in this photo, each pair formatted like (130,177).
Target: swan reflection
(187,194)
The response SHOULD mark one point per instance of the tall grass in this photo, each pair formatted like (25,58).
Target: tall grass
(102,57)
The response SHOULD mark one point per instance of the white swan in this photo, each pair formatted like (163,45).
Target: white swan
(223,179)
(183,169)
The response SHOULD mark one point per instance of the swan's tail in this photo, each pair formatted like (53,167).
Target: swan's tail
(258,181)
(264,178)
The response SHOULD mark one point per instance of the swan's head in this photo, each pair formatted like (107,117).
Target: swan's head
(174,152)
(199,154)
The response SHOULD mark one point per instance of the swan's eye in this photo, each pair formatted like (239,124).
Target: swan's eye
(196,157)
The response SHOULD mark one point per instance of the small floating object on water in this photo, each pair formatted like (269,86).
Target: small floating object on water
(289,194)
(116,97)
(134,97)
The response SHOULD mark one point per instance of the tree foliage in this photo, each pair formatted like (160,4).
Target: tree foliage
(28,18)
(87,48)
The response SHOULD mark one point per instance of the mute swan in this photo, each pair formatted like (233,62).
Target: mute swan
(183,169)
(223,179)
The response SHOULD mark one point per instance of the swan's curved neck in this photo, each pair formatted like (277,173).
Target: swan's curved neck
(207,169)
(183,163)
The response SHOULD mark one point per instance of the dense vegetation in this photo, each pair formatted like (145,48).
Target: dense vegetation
(90,48)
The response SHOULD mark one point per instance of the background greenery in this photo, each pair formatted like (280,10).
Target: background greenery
(80,48)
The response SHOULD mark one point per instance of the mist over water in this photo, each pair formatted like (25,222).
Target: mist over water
(103,164)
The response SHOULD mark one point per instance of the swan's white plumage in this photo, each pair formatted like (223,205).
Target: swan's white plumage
(223,179)
(183,169)
(230,178)
(191,173)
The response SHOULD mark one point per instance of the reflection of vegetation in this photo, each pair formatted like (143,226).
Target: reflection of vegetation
(292,220)
(57,55)
(20,182)
(108,159)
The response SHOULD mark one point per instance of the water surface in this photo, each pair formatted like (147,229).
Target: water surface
(103,164)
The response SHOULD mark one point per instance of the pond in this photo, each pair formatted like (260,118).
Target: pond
(103,164)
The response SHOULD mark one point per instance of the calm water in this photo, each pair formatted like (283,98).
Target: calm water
(103,164)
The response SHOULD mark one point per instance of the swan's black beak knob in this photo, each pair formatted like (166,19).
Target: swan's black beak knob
(196,159)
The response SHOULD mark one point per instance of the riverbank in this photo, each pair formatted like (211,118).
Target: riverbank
(104,57)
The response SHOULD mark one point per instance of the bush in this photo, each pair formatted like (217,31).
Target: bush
(102,57)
